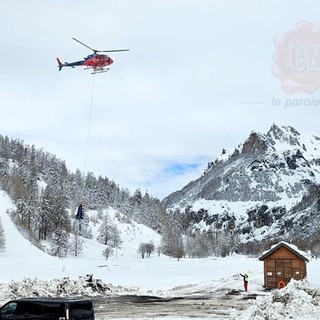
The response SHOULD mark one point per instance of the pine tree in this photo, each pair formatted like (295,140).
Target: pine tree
(115,237)
(2,238)
(85,230)
(76,187)
(59,243)
(91,191)
(105,230)
(76,245)
(55,223)
(44,215)
(172,242)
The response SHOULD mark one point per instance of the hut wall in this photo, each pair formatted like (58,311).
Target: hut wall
(282,265)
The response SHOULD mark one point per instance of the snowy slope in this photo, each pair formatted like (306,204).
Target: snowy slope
(131,232)
(14,239)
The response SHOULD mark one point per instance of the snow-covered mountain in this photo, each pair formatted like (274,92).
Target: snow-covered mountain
(266,187)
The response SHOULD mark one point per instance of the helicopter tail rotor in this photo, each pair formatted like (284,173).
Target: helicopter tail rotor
(60,64)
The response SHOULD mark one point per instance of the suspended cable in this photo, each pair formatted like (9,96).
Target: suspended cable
(80,212)
(89,127)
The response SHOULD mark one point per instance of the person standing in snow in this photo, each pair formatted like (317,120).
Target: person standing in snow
(245,280)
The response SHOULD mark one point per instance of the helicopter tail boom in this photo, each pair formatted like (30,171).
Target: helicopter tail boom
(66,64)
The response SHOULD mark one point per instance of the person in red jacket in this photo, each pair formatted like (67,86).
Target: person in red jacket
(245,280)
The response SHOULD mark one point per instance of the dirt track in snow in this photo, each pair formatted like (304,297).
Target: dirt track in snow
(215,305)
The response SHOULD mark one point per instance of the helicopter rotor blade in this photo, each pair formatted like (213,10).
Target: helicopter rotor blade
(95,51)
(85,45)
(118,50)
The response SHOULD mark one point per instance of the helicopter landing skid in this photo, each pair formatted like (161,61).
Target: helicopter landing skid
(101,71)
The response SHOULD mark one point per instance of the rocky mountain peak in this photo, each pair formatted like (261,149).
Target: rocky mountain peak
(255,143)
(283,134)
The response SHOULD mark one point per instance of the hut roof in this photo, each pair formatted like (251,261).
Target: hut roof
(292,248)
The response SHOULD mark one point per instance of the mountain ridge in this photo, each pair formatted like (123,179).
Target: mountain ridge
(269,176)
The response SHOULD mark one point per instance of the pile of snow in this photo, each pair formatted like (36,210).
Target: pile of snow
(64,287)
(298,300)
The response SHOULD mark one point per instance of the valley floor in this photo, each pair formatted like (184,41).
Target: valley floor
(217,305)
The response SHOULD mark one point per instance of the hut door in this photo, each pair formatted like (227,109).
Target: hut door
(283,270)
(287,270)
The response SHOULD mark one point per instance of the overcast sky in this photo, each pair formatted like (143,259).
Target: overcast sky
(197,79)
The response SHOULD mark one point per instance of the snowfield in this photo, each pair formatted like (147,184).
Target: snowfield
(25,270)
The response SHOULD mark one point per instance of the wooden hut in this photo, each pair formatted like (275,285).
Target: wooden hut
(282,263)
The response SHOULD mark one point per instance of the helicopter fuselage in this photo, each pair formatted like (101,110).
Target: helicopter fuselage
(94,61)
(97,61)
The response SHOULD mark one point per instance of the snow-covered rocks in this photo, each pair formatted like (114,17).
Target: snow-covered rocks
(298,301)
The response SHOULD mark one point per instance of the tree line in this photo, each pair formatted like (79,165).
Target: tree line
(46,195)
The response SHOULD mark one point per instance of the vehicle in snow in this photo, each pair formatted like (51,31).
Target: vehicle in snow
(48,308)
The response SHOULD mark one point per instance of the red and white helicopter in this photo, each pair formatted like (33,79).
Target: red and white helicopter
(96,61)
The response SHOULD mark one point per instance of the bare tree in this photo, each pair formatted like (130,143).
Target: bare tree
(146,249)
(142,250)
(107,252)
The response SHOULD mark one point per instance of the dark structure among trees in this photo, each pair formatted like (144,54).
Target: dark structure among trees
(282,263)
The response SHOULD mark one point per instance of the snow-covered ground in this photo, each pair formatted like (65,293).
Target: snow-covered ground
(26,271)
